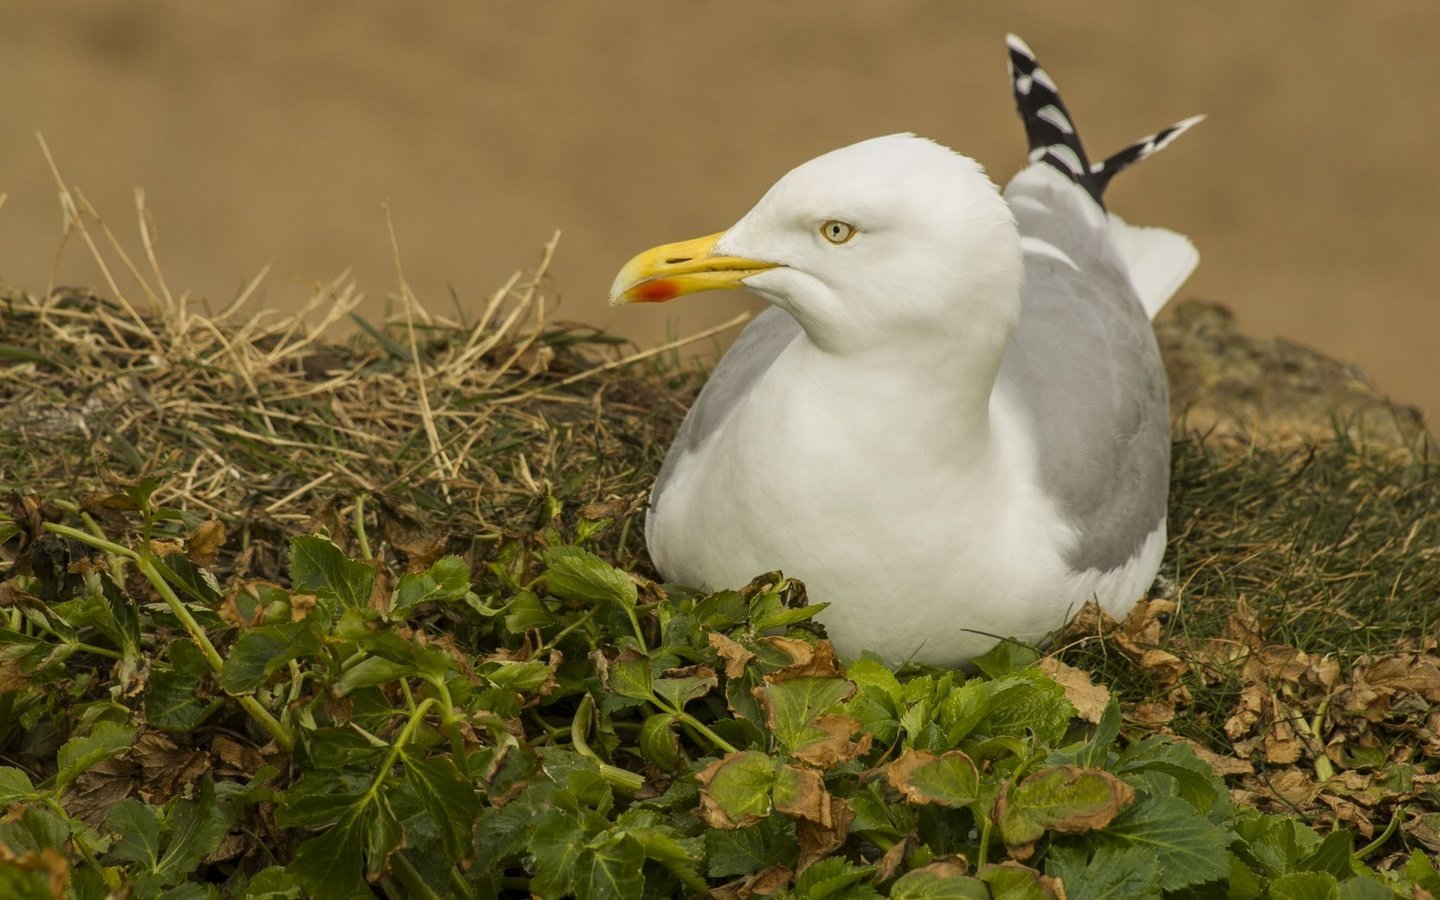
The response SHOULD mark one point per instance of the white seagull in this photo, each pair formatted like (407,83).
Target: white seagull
(952,422)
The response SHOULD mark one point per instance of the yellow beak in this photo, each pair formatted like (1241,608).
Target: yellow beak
(670,270)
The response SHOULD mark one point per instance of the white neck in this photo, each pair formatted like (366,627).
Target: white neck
(927,397)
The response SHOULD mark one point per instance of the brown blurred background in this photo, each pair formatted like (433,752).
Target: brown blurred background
(274,131)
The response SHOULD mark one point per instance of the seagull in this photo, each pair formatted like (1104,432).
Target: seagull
(952,422)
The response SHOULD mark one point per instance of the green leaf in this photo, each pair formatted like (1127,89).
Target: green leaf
(14,785)
(556,841)
(678,690)
(448,797)
(1066,799)
(273,883)
(1305,886)
(369,672)
(1420,869)
(950,779)
(1332,856)
(1011,881)
(834,878)
(874,709)
(735,790)
(199,583)
(1006,658)
(928,884)
(1097,750)
(139,830)
(1029,702)
(867,671)
(629,676)
(329,866)
(1189,848)
(575,574)
(319,567)
(658,742)
(79,754)
(170,700)
(662,844)
(19,883)
(525,677)
(1279,843)
(1176,763)
(610,869)
(1131,873)
(39,828)
(383,836)
(1364,887)
(793,705)
(196,826)
(744,851)
(446,581)
(320,798)
(261,651)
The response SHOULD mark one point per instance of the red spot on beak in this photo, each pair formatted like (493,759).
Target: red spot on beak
(657,291)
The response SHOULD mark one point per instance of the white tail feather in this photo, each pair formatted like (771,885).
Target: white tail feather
(1158,260)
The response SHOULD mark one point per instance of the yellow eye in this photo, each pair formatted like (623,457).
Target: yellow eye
(836,231)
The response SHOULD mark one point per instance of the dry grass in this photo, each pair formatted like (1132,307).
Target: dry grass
(453,425)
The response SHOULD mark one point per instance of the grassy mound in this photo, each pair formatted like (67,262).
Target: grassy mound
(282,615)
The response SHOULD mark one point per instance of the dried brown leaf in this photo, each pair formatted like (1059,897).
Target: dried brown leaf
(56,869)
(800,792)
(732,653)
(1088,698)
(93,792)
(888,866)
(806,659)
(165,766)
(1151,714)
(820,839)
(1223,765)
(836,747)
(204,543)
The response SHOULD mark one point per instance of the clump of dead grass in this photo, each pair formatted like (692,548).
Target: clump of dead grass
(451,428)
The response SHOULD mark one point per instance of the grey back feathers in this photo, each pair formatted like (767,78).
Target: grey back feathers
(1084,368)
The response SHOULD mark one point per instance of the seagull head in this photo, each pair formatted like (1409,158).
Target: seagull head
(890,240)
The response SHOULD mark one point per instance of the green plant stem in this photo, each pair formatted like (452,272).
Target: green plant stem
(409,880)
(401,739)
(622,779)
(985,827)
(635,624)
(1324,770)
(565,632)
(98,651)
(449,724)
(359,527)
(1385,835)
(699,726)
(146,564)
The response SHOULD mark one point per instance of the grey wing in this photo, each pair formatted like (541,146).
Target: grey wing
(747,359)
(1085,366)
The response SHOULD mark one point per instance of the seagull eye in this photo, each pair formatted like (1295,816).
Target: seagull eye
(836,231)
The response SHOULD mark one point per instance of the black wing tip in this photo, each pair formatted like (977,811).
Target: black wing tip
(1049,130)
(1144,148)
